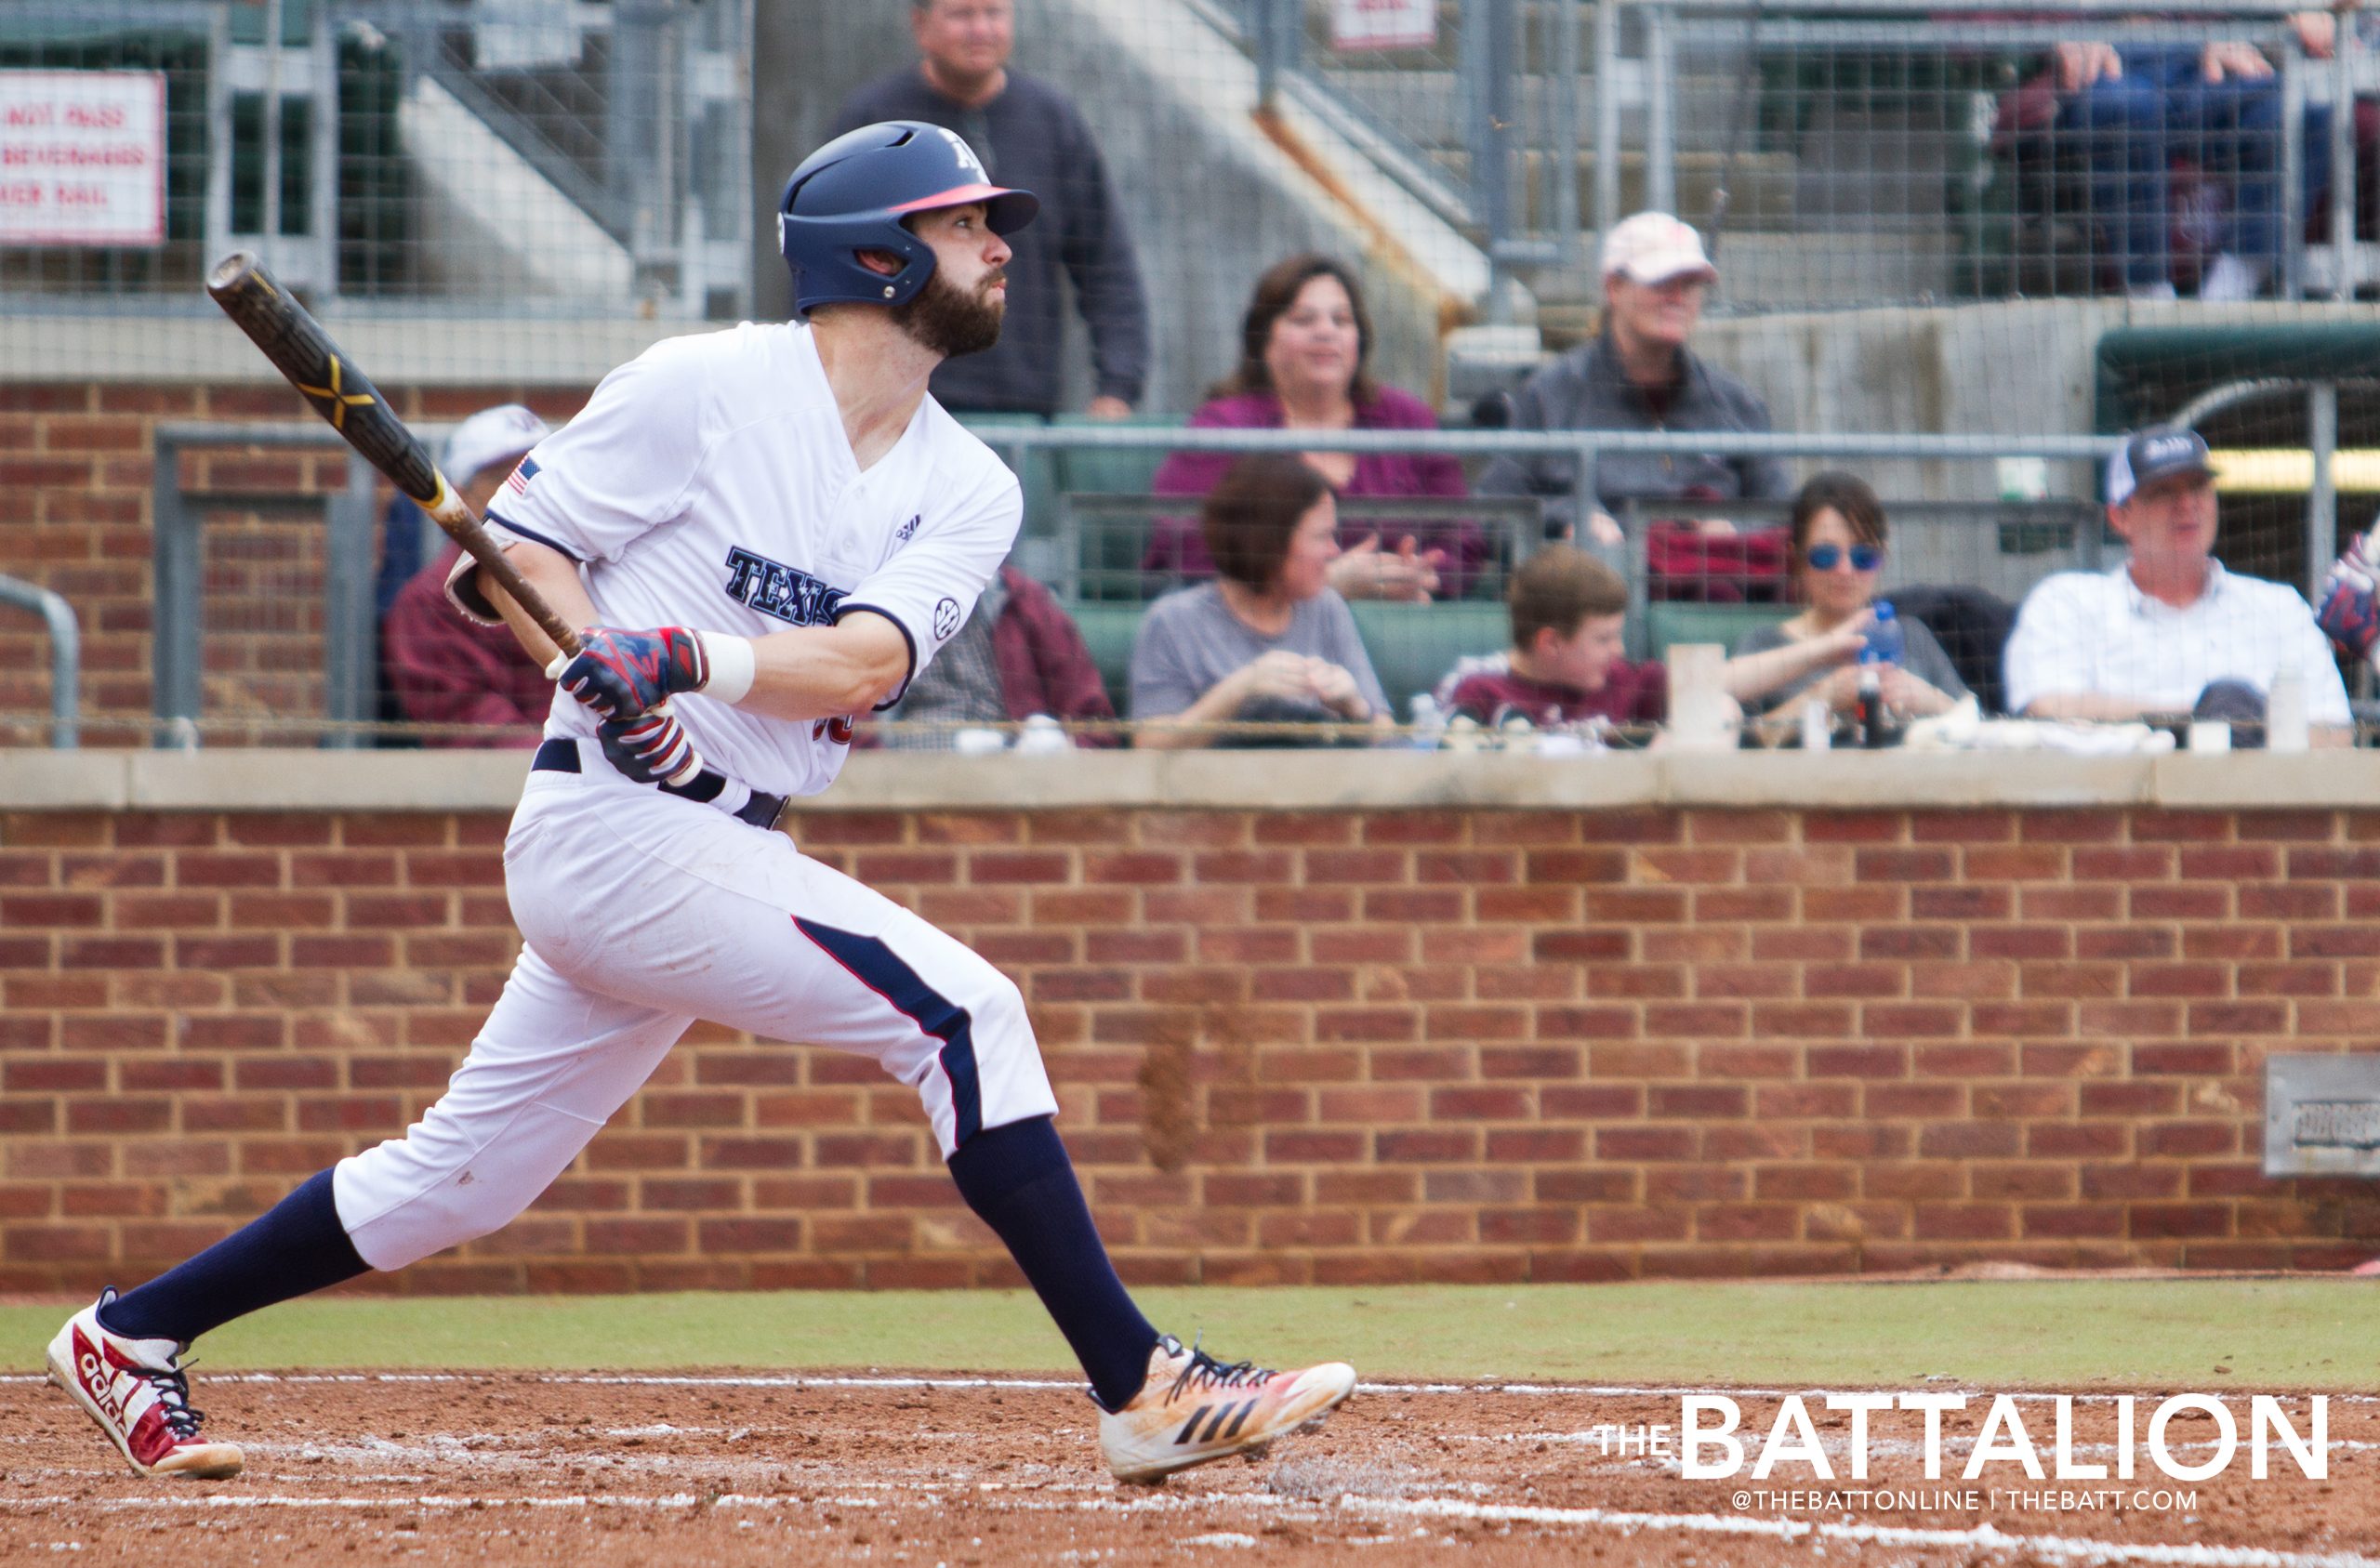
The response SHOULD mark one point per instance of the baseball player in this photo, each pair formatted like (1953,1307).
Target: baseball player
(765,531)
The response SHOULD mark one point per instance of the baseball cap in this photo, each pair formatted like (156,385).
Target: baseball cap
(1653,247)
(493,435)
(2151,456)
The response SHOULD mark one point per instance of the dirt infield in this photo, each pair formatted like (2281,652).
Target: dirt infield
(599,1469)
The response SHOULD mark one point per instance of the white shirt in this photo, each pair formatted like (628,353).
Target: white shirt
(709,484)
(2098,634)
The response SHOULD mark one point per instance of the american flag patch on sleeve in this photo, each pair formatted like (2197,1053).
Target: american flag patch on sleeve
(518,479)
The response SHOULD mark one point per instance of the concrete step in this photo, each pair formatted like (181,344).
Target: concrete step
(1763,188)
(1424,105)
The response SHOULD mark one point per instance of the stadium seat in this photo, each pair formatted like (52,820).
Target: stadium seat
(1412,646)
(1036,471)
(1111,470)
(1668,623)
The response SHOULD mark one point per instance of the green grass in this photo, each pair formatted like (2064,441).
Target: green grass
(2270,1333)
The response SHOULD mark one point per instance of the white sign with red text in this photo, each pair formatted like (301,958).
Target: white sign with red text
(1384,24)
(82,158)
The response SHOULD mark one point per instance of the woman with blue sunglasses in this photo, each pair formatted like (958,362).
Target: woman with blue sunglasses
(1838,542)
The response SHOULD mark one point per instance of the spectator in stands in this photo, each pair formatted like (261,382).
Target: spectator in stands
(1565,663)
(1018,655)
(1838,549)
(2153,634)
(1268,640)
(443,668)
(1639,374)
(1305,346)
(1029,136)
(2122,119)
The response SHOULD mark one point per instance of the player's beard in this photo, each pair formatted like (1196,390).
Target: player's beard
(952,322)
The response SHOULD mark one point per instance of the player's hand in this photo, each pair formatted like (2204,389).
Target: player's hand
(2233,60)
(2079,65)
(650,749)
(2350,611)
(623,674)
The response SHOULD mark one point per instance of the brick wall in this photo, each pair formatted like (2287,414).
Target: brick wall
(75,468)
(1293,1047)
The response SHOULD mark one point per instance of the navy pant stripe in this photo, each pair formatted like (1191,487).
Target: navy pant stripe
(881,969)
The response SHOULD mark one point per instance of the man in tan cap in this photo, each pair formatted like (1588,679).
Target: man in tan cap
(1639,374)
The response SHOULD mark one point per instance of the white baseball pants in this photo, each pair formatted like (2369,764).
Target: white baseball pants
(642,913)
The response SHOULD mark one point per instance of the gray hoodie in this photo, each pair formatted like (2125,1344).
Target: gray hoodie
(1587,390)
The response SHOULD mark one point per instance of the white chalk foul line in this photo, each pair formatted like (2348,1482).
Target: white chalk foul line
(1984,1537)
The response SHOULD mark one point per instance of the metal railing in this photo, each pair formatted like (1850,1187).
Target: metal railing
(349,684)
(1503,159)
(65,657)
(547,157)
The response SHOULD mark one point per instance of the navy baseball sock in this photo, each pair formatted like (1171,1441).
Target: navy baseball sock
(298,1245)
(1018,1180)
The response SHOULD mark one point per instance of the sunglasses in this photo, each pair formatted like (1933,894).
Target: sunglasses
(1826,558)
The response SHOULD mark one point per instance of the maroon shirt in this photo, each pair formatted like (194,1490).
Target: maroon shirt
(448,670)
(1176,546)
(1629,695)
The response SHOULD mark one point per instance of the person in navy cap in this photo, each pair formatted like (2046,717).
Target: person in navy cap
(2169,621)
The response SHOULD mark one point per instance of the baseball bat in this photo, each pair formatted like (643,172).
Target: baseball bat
(336,387)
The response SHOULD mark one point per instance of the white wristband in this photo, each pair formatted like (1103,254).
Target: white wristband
(732,665)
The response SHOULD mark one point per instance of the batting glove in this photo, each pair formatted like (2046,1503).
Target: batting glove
(649,749)
(2350,611)
(624,674)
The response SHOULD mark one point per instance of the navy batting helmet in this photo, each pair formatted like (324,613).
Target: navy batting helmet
(851,195)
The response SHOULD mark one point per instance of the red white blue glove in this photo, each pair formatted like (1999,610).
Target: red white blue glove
(652,748)
(624,674)
(2350,611)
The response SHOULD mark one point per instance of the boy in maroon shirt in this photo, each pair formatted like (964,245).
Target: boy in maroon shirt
(1564,666)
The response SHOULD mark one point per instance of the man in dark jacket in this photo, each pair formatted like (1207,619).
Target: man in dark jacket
(1029,136)
(1638,374)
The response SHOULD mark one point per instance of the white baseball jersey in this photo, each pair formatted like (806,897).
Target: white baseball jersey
(709,484)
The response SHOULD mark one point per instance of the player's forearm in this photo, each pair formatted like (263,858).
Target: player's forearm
(555,577)
(826,672)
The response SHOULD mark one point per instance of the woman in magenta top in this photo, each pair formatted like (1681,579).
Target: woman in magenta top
(1304,346)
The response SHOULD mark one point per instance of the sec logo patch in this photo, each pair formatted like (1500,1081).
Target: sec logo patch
(945,619)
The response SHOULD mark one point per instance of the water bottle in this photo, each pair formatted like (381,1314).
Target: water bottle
(1429,723)
(1886,640)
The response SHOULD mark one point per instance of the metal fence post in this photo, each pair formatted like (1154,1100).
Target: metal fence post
(2343,170)
(1486,73)
(2291,197)
(2322,496)
(350,633)
(1565,151)
(1660,109)
(174,634)
(1608,69)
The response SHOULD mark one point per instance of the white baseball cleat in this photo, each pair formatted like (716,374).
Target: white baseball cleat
(137,1391)
(1195,1409)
